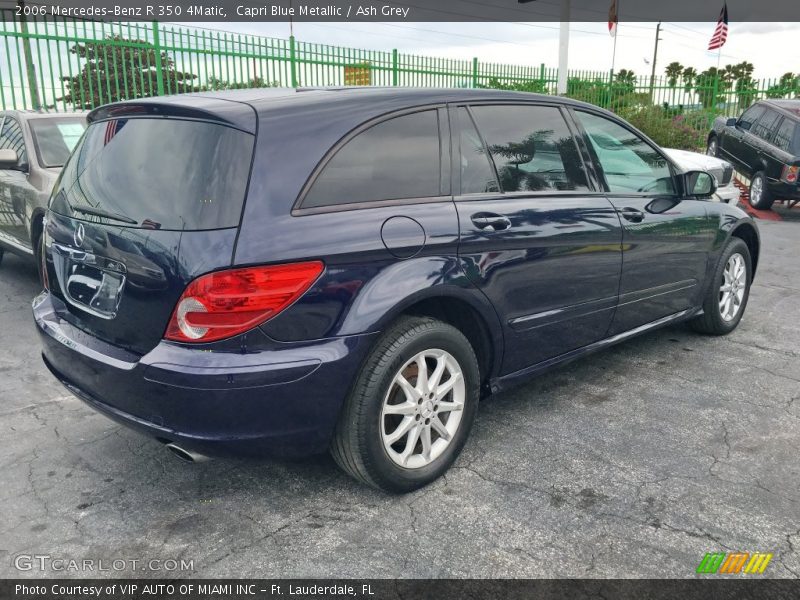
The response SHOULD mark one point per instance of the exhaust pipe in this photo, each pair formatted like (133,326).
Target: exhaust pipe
(186,455)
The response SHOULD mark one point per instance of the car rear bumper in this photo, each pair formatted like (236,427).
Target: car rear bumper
(281,402)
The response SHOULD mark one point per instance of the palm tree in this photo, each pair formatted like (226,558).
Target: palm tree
(626,78)
(689,74)
(674,70)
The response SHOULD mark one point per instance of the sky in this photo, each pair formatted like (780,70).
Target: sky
(771,47)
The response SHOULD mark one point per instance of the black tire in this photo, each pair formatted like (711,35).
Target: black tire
(2,252)
(711,322)
(763,199)
(358,446)
(712,148)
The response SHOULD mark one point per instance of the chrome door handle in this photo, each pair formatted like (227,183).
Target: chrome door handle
(487,221)
(633,215)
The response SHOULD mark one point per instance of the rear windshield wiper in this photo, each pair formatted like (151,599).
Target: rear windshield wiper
(90,210)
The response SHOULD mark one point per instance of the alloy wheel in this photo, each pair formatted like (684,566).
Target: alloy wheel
(734,284)
(712,148)
(423,408)
(756,189)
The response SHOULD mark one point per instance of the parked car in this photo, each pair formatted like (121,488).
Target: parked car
(721,169)
(33,148)
(764,145)
(354,269)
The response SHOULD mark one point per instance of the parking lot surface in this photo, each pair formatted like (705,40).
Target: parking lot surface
(633,462)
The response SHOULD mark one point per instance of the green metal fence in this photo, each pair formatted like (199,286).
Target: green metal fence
(70,64)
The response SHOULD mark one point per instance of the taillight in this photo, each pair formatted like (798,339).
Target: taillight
(226,303)
(789,174)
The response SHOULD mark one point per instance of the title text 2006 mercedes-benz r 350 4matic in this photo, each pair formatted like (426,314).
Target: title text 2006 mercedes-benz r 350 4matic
(289,271)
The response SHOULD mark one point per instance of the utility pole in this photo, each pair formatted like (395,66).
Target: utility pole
(563,48)
(655,57)
(563,45)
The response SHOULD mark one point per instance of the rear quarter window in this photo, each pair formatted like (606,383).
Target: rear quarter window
(787,137)
(158,173)
(399,158)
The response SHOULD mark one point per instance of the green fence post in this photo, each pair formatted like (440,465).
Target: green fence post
(30,69)
(159,66)
(715,91)
(292,61)
(395,69)
(475,72)
(541,77)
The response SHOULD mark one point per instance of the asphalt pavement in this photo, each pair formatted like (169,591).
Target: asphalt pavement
(633,462)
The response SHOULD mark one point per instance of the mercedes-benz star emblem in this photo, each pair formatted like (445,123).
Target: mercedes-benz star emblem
(77,237)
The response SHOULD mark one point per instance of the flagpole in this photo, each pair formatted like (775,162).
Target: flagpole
(614,53)
(616,33)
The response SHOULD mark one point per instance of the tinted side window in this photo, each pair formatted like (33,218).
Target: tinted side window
(11,138)
(630,164)
(395,159)
(787,138)
(477,173)
(532,148)
(750,116)
(765,125)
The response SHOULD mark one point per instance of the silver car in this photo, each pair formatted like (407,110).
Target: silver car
(33,148)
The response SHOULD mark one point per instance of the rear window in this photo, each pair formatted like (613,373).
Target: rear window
(54,139)
(157,174)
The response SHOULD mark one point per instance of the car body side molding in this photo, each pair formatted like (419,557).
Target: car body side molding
(506,382)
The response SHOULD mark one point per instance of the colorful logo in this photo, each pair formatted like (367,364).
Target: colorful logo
(734,562)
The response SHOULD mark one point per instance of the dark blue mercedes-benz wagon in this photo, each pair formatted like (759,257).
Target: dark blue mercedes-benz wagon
(289,271)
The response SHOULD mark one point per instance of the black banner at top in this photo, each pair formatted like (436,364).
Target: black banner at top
(405,10)
(403,589)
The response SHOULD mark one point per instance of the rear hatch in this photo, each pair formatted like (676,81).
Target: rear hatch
(146,203)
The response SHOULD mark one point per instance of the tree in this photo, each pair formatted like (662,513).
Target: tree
(625,79)
(788,85)
(673,71)
(711,86)
(121,69)
(536,86)
(594,91)
(215,84)
(689,74)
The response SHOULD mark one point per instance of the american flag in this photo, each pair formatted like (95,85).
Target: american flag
(113,127)
(721,32)
(613,19)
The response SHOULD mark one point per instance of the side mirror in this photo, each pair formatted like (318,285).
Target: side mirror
(699,184)
(731,122)
(8,159)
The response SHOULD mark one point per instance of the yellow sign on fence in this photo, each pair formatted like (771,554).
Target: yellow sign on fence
(360,74)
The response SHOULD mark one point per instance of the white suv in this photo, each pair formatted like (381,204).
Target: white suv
(721,169)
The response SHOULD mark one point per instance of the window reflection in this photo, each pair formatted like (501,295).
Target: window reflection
(532,148)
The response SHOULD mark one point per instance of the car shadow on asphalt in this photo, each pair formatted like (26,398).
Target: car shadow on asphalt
(553,391)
